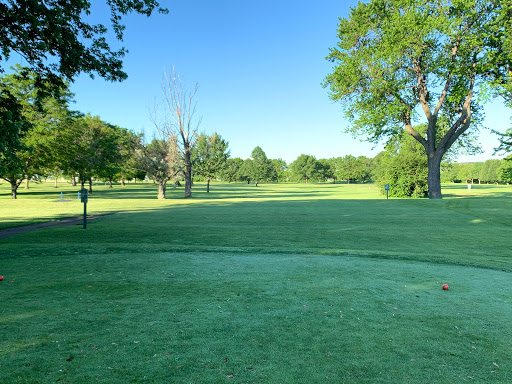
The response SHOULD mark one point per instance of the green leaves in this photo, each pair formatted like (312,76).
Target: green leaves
(56,42)
(401,62)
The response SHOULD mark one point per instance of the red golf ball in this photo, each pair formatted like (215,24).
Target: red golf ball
(445,287)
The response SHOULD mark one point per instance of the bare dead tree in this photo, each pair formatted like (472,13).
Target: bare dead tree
(179,119)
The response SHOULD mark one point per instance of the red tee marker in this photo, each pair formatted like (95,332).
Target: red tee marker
(445,287)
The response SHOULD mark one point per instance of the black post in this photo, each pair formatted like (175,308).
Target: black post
(85,215)
(84,197)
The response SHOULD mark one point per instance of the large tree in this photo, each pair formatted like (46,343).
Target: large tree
(29,126)
(399,59)
(57,43)
(305,168)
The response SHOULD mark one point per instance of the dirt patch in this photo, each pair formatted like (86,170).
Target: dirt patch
(8,232)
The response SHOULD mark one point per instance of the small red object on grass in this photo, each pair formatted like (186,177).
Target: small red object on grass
(1,278)
(445,287)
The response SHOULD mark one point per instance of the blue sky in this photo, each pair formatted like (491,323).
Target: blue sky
(259,66)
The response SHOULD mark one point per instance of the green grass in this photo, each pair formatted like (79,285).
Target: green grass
(276,284)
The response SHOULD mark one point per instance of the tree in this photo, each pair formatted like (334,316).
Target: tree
(230,172)
(489,171)
(260,168)
(128,144)
(449,171)
(179,120)
(505,171)
(305,168)
(57,44)
(404,168)
(88,147)
(327,169)
(160,159)
(209,156)
(396,57)
(505,140)
(281,168)
(34,121)
(347,168)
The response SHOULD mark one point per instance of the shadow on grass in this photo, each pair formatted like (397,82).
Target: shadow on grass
(458,232)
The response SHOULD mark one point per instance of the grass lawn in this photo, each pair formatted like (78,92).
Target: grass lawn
(284,283)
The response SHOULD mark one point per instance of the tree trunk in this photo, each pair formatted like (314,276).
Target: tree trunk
(110,183)
(161,190)
(14,190)
(73,182)
(90,186)
(188,172)
(27,183)
(207,185)
(55,182)
(434,175)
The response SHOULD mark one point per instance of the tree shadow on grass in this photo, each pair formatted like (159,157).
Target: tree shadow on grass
(404,229)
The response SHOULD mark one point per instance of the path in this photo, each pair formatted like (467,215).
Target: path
(8,232)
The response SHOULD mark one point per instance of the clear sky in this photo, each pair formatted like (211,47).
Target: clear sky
(259,66)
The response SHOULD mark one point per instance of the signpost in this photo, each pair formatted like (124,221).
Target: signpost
(386,187)
(84,197)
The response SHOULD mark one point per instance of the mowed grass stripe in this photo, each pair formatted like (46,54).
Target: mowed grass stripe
(466,231)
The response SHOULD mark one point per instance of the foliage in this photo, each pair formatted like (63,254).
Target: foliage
(30,124)
(445,58)
(209,156)
(505,171)
(305,168)
(449,170)
(259,169)
(56,41)
(230,172)
(326,169)
(505,140)
(88,147)
(404,167)
(161,160)
(57,44)
(489,171)
(281,169)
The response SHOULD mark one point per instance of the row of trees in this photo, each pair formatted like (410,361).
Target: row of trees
(488,172)
(52,140)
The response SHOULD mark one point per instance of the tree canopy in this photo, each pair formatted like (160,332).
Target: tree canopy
(57,41)
(399,59)
(209,156)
